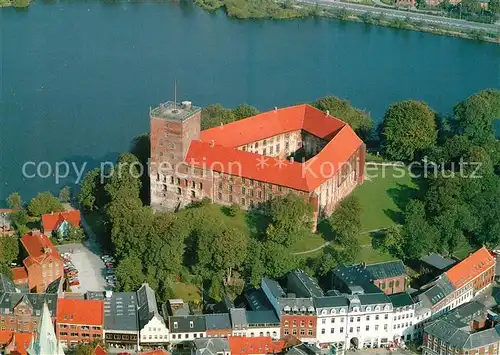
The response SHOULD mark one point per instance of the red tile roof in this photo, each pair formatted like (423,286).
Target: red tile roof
(471,267)
(19,273)
(52,221)
(300,176)
(99,351)
(254,345)
(271,123)
(156,352)
(80,311)
(38,246)
(17,342)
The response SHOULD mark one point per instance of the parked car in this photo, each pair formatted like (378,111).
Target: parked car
(74,283)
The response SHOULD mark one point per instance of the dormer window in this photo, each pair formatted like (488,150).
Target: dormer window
(311,309)
(303,309)
(333,311)
(295,309)
(286,308)
(191,324)
(368,309)
(323,311)
(377,308)
(176,325)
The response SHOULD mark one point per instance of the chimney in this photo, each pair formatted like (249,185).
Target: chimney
(291,160)
(108,294)
(35,232)
(327,113)
(275,109)
(186,104)
(212,143)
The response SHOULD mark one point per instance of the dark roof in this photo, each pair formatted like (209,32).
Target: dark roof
(217,321)
(440,290)
(146,302)
(238,317)
(257,300)
(120,311)
(54,286)
(304,349)
(274,287)
(306,287)
(6,284)
(301,304)
(261,317)
(401,299)
(330,301)
(187,324)
(374,298)
(387,269)
(453,328)
(355,276)
(437,261)
(211,346)
(9,300)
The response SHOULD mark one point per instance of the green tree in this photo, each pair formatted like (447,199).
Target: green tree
(290,219)
(88,349)
(244,111)
(20,3)
(214,291)
(221,250)
(277,259)
(254,265)
(91,195)
(494,6)
(215,115)
(43,203)
(74,233)
(359,120)
(65,194)
(19,219)
(408,128)
(9,249)
(125,178)
(391,240)
(15,201)
(345,221)
(474,116)
(419,235)
(129,274)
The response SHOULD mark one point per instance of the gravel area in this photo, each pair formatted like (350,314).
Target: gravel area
(89,265)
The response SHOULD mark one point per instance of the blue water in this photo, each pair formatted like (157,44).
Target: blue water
(77,78)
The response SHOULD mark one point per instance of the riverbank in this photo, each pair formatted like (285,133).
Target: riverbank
(347,11)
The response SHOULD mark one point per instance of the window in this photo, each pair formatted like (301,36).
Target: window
(193,193)
(176,325)
(286,331)
(310,332)
(186,336)
(377,317)
(171,179)
(302,332)
(333,320)
(310,324)
(243,190)
(230,188)
(367,327)
(220,185)
(294,322)
(382,285)
(302,323)
(294,331)
(397,283)
(386,316)
(193,184)
(367,317)
(230,198)
(358,329)
(332,330)
(259,194)
(350,330)
(201,186)
(323,321)
(391,283)
(271,150)
(179,191)
(256,145)
(286,323)
(351,319)
(323,331)
(219,195)
(341,329)
(277,148)
(358,319)
(191,324)
(243,202)
(178,181)
(376,326)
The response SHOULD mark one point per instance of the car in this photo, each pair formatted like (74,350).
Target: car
(74,283)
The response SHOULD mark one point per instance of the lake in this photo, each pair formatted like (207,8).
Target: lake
(78,78)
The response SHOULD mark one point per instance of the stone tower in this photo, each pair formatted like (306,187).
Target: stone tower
(173,127)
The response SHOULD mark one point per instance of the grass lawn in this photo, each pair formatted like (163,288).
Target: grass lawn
(188,292)
(313,242)
(369,255)
(383,195)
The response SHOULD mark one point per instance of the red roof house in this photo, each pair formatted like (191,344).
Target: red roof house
(481,262)
(19,275)
(52,222)
(43,263)
(99,351)
(14,343)
(254,345)
(84,317)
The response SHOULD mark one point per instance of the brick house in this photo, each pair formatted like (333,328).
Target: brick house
(58,222)
(79,321)
(21,312)
(389,276)
(245,162)
(43,263)
(14,342)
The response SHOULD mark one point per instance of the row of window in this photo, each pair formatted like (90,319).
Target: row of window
(177,181)
(358,329)
(73,326)
(310,332)
(354,319)
(402,317)
(402,325)
(83,335)
(186,336)
(150,337)
(391,284)
(302,323)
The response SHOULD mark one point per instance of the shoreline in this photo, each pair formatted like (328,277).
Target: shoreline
(343,11)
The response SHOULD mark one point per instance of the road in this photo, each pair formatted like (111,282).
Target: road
(402,14)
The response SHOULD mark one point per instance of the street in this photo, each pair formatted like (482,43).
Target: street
(402,14)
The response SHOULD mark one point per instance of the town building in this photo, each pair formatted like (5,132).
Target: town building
(153,328)
(465,330)
(20,311)
(435,264)
(246,162)
(42,262)
(218,325)
(121,320)
(403,317)
(239,321)
(183,325)
(57,223)
(45,342)
(14,343)
(459,284)
(263,323)
(296,314)
(388,277)
(79,321)
(210,346)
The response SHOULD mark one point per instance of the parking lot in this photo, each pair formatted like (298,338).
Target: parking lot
(89,265)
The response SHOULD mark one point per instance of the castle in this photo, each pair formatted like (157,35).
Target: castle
(297,149)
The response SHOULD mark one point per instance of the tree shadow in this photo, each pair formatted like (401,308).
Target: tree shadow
(325,229)
(257,222)
(400,195)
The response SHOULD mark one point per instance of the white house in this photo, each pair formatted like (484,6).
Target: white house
(152,327)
